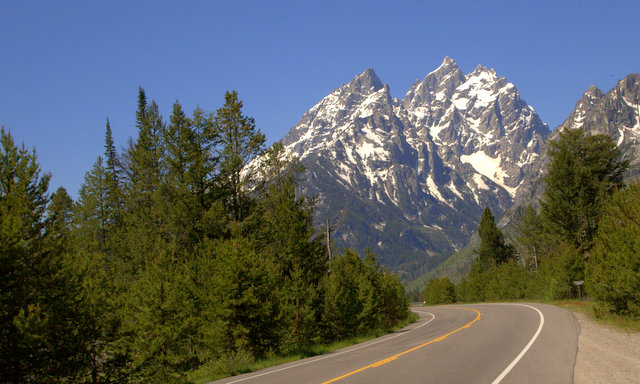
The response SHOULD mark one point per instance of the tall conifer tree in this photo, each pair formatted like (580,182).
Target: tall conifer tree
(42,330)
(583,173)
(240,142)
(493,249)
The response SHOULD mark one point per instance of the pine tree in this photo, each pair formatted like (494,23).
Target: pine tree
(183,211)
(584,172)
(92,212)
(245,284)
(41,326)
(532,240)
(612,272)
(439,291)
(144,198)
(342,306)
(112,172)
(146,156)
(60,217)
(240,142)
(110,154)
(281,226)
(493,249)
(95,259)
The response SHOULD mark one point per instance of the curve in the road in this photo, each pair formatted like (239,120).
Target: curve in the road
(389,359)
(364,345)
(525,349)
(514,342)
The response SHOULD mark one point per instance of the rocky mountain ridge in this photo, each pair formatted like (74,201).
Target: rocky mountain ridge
(616,113)
(409,177)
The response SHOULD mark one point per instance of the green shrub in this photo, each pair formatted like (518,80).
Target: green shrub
(440,291)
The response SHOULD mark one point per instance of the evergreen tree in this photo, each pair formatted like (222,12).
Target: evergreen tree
(112,174)
(110,154)
(240,142)
(612,272)
(92,210)
(60,217)
(584,172)
(533,241)
(144,196)
(493,249)
(95,259)
(394,303)
(146,155)
(247,292)
(439,291)
(158,321)
(281,226)
(42,331)
(342,305)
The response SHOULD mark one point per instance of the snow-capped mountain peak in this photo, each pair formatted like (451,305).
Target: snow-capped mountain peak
(413,176)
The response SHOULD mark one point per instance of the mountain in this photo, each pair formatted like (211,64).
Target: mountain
(409,177)
(616,113)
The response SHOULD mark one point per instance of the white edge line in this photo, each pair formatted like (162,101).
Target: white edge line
(335,354)
(526,348)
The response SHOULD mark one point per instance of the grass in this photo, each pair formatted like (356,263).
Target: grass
(594,312)
(238,364)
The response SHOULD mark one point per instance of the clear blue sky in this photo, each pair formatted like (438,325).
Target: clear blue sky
(67,66)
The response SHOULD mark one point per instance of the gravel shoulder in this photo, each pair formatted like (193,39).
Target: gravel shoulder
(606,354)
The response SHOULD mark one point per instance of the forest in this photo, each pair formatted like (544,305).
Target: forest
(585,232)
(176,257)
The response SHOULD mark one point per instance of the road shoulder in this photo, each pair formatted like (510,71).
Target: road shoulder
(606,354)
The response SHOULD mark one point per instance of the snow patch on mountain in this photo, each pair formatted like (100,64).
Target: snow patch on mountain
(434,159)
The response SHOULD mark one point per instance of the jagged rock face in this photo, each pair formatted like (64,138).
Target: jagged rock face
(616,113)
(409,178)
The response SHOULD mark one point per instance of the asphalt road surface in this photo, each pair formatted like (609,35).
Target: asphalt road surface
(479,343)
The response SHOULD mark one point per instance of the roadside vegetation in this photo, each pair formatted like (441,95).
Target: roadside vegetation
(586,229)
(594,311)
(175,262)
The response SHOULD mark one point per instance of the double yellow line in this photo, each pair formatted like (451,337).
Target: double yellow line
(389,359)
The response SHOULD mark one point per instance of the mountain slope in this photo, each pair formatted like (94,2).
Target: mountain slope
(616,113)
(409,177)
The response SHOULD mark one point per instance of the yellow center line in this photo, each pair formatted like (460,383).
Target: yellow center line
(389,359)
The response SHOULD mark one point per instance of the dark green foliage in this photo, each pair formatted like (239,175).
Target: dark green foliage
(533,241)
(583,173)
(43,331)
(60,217)
(92,213)
(249,305)
(557,273)
(240,142)
(439,291)
(360,295)
(342,305)
(281,225)
(175,257)
(495,274)
(506,281)
(492,250)
(612,274)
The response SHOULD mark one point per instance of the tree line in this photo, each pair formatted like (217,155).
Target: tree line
(175,257)
(586,229)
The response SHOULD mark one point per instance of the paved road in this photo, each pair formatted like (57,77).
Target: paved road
(480,343)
